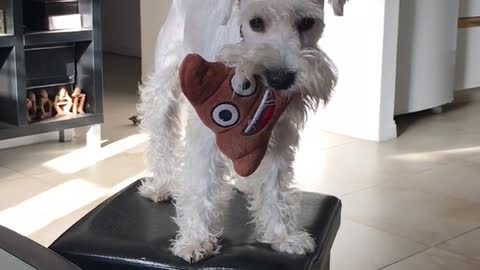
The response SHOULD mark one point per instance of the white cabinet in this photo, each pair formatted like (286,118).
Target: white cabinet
(468,58)
(426,54)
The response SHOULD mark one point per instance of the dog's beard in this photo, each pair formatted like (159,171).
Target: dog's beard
(317,78)
(316,73)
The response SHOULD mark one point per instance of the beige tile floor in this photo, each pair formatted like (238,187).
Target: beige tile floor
(412,203)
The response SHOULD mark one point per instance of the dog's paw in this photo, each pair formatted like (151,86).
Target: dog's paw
(300,243)
(194,251)
(156,195)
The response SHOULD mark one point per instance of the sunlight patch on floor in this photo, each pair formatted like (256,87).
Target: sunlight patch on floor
(86,157)
(39,211)
(419,156)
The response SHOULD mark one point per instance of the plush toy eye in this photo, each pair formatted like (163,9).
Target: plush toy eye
(243,87)
(226,115)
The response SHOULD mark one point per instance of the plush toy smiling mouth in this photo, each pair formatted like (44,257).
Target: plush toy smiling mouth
(263,115)
(242,121)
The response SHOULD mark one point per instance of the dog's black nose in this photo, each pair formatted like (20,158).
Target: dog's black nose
(280,79)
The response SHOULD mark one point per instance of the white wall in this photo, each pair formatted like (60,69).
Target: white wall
(153,15)
(469,8)
(363,44)
(121,27)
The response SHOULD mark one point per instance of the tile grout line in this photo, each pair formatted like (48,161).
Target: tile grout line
(407,238)
(455,237)
(389,233)
(436,246)
(407,257)
(410,175)
(374,186)
(386,183)
(458,254)
(401,236)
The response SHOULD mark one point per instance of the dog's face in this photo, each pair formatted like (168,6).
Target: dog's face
(279,44)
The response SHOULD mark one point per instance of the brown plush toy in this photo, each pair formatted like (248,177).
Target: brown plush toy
(242,119)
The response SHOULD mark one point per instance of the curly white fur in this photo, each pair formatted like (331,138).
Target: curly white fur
(200,194)
(161,118)
(184,159)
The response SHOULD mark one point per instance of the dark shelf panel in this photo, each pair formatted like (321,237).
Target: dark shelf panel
(18,67)
(62,119)
(6,126)
(57,37)
(7,41)
(50,125)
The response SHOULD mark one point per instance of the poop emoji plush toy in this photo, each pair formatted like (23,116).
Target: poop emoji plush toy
(242,115)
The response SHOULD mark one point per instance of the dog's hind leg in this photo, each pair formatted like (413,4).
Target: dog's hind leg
(273,201)
(200,195)
(161,110)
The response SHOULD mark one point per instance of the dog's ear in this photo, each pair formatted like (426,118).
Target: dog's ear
(337,6)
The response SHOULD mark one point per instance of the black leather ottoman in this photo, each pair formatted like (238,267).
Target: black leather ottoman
(18,252)
(129,232)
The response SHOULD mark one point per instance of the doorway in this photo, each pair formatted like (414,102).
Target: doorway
(121,37)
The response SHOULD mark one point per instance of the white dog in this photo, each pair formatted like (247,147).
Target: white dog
(273,39)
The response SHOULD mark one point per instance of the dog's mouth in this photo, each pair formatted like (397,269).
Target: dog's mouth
(263,115)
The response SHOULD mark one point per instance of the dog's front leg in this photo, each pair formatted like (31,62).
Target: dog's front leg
(273,201)
(200,195)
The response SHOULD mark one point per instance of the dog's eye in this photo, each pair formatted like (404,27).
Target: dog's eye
(226,115)
(257,25)
(243,87)
(305,24)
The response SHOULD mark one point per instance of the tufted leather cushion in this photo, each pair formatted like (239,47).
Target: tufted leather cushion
(129,232)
